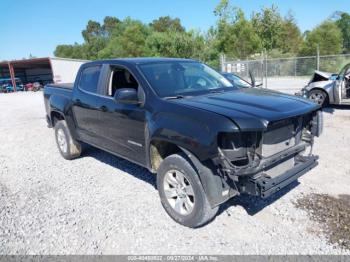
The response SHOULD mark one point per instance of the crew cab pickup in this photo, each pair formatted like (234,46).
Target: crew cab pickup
(206,139)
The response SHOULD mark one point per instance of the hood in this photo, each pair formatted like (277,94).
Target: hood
(251,108)
(321,76)
(326,75)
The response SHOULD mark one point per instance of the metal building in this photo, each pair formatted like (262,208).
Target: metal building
(44,70)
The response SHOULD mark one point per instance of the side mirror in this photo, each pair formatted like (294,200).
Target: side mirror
(126,96)
(252,78)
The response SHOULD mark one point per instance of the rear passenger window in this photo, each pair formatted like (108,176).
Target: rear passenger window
(89,78)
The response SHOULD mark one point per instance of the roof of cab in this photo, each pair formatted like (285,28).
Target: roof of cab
(145,60)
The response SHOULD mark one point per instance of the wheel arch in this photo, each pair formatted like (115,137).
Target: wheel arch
(160,149)
(215,186)
(56,116)
(325,91)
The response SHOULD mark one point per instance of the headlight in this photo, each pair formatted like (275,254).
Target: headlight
(303,93)
(239,147)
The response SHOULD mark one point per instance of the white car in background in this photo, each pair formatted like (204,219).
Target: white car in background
(329,88)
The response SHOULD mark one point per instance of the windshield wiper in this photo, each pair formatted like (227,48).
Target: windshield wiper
(174,97)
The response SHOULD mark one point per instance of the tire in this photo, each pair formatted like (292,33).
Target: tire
(319,97)
(68,147)
(193,209)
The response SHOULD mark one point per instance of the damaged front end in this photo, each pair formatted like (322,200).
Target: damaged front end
(262,162)
(319,79)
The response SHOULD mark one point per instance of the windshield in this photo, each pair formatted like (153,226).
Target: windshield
(237,81)
(183,78)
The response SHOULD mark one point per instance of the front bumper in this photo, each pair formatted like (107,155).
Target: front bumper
(302,93)
(265,186)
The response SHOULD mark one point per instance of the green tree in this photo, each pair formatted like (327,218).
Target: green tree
(174,44)
(109,25)
(290,37)
(93,29)
(235,34)
(268,24)
(71,51)
(344,25)
(166,23)
(210,53)
(329,38)
(127,40)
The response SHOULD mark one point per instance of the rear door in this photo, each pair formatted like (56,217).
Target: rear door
(87,104)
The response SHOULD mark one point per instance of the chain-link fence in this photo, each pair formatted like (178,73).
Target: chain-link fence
(243,68)
(291,72)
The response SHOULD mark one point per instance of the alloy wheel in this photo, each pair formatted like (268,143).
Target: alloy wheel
(61,140)
(318,97)
(179,192)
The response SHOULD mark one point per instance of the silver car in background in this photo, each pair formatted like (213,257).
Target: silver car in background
(328,88)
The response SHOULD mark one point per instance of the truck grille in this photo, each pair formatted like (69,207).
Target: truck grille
(280,136)
(277,140)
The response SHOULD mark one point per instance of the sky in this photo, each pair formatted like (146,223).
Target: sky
(36,27)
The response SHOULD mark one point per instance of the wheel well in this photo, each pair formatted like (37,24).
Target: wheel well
(323,91)
(320,89)
(55,116)
(159,150)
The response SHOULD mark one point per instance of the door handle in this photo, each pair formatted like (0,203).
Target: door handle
(103,108)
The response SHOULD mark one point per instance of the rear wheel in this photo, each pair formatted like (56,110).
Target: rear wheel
(181,192)
(68,147)
(319,97)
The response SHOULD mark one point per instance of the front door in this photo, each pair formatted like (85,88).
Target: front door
(123,125)
(343,83)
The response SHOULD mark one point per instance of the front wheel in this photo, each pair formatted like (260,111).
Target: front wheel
(319,97)
(181,192)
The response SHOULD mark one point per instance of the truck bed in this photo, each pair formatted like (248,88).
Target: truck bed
(61,93)
(64,85)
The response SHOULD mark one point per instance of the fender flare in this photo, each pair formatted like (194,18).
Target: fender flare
(216,188)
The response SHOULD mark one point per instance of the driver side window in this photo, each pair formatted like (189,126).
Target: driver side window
(120,78)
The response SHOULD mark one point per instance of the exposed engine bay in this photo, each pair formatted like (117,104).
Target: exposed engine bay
(253,157)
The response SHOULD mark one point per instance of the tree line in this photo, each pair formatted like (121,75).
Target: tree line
(233,34)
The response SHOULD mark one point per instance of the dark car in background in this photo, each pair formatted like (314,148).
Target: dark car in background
(240,82)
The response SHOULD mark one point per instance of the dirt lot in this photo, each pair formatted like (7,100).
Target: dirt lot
(102,204)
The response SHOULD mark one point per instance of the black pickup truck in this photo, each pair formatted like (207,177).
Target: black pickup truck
(206,139)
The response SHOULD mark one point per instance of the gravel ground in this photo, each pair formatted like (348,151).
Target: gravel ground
(289,85)
(101,204)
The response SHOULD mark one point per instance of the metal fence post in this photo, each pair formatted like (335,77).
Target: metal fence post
(265,69)
(262,68)
(318,57)
(222,62)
